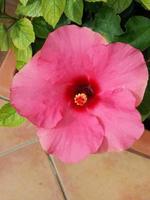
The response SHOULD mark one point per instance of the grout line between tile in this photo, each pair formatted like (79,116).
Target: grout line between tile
(57,176)
(4,98)
(18,147)
(138,153)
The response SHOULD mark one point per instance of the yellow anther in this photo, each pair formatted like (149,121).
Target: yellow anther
(80,99)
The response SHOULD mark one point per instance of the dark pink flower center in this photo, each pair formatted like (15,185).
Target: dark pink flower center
(82,92)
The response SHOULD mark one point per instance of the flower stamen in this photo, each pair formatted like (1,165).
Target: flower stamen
(80,99)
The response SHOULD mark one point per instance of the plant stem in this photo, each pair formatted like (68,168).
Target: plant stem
(6,16)
(4,9)
(10,25)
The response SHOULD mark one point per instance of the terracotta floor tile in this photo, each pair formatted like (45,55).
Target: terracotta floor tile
(143,144)
(9,137)
(114,176)
(2,56)
(11,6)
(26,175)
(7,69)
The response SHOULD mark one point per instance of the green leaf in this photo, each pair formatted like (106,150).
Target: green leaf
(107,23)
(22,56)
(24,2)
(22,33)
(144,108)
(52,10)
(1,5)
(145,3)
(4,44)
(147,57)
(19,65)
(32,9)
(96,0)
(9,116)
(119,5)
(41,27)
(137,32)
(74,10)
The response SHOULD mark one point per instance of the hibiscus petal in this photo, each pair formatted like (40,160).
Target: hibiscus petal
(71,41)
(34,97)
(37,91)
(74,137)
(121,121)
(120,66)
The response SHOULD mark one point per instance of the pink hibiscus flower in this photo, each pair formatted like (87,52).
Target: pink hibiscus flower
(82,93)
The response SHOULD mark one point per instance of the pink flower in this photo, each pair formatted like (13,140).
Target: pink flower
(81,93)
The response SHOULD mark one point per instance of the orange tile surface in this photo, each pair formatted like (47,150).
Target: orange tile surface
(6,73)
(9,137)
(114,176)
(26,175)
(143,144)
(11,6)
(2,56)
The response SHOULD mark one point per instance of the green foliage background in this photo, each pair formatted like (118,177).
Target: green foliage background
(118,20)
